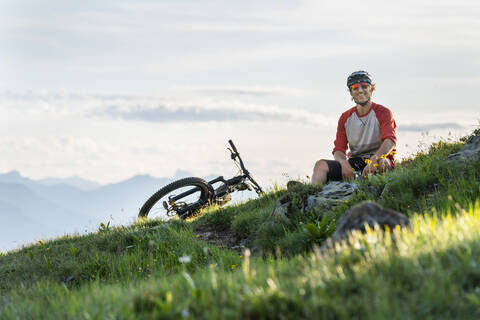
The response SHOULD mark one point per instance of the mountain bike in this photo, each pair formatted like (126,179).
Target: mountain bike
(187,196)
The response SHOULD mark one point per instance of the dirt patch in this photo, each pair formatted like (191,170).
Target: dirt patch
(218,236)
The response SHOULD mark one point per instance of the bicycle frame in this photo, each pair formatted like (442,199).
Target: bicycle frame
(230,182)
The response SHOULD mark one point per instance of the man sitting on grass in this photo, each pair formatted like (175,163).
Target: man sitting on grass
(367,129)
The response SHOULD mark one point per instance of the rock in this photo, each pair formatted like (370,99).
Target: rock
(471,149)
(367,213)
(338,189)
(331,195)
(322,202)
(279,213)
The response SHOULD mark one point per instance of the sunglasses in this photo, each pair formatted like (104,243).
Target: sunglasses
(364,85)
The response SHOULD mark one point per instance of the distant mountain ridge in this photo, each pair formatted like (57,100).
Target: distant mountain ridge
(33,209)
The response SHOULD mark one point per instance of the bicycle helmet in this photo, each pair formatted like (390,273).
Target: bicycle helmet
(357,77)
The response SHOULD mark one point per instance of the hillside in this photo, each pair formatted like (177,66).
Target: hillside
(251,269)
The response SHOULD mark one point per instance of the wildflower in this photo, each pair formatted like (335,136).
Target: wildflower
(383,156)
(234,266)
(241,257)
(185,313)
(375,165)
(390,179)
(184,259)
(367,161)
(212,266)
(154,260)
(198,236)
(435,185)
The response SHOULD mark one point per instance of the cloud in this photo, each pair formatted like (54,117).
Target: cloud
(145,108)
(423,127)
(254,91)
(216,112)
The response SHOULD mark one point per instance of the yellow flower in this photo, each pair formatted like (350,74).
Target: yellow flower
(367,161)
(383,156)
(198,236)
(375,165)
(234,266)
(241,256)
(212,266)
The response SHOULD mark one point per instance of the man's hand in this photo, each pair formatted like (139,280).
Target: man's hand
(347,170)
(376,164)
(369,169)
(371,166)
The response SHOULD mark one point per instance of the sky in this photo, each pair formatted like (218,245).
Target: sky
(106,90)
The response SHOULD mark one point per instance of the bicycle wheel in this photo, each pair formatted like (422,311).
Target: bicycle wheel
(163,203)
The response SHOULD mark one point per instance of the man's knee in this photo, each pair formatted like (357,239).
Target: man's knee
(321,165)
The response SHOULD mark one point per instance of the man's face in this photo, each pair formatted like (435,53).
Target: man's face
(361,93)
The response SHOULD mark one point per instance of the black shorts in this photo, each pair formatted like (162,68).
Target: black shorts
(335,169)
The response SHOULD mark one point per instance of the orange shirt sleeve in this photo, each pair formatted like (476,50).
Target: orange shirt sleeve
(341,143)
(387,125)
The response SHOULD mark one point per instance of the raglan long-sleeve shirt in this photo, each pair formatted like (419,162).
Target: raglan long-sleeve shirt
(363,135)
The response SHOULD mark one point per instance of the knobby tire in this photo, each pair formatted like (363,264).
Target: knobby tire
(206,192)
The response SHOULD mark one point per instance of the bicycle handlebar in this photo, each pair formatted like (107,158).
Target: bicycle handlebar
(233,146)
(235,154)
(245,171)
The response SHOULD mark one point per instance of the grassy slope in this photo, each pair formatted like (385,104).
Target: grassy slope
(136,271)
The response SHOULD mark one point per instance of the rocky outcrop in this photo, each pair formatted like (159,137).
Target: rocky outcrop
(470,150)
(331,195)
(367,213)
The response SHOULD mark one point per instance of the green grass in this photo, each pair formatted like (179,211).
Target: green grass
(429,271)
(154,269)
(123,254)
